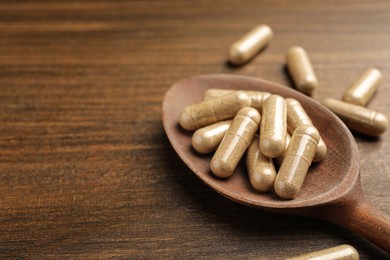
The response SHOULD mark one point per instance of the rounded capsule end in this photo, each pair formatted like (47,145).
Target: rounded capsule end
(243,99)
(285,190)
(221,168)
(186,120)
(272,147)
(292,102)
(352,99)
(321,151)
(381,123)
(308,130)
(352,252)
(199,143)
(237,56)
(251,113)
(307,85)
(264,180)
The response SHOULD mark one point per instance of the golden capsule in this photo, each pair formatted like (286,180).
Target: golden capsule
(273,127)
(360,119)
(236,140)
(298,158)
(363,89)
(257,97)
(211,111)
(280,159)
(297,116)
(342,252)
(248,46)
(207,139)
(301,70)
(260,168)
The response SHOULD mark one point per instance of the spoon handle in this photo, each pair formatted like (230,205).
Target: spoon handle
(364,219)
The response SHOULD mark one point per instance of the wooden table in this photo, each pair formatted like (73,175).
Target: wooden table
(86,168)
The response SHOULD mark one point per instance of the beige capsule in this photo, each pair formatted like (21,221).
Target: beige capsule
(298,158)
(363,89)
(360,119)
(257,97)
(235,142)
(342,252)
(260,168)
(211,111)
(297,116)
(280,159)
(301,70)
(207,139)
(250,44)
(273,127)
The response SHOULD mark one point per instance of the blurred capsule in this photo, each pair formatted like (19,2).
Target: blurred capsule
(301,70)
(360,119)
(363,89)
(342,252)
(250,44)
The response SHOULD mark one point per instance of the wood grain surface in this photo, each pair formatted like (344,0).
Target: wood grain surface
(86,168)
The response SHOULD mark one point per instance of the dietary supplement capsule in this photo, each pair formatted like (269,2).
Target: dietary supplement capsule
(211,111)
(273,128)
(342,252)
(363,89)
(260,168)
(236,140)
(360,119)
(297,160)
(207,139)
(297,116)
(248,46)
(257,97)
(301,70)
(280,159)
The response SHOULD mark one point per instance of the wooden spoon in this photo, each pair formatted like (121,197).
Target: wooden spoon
(331,190)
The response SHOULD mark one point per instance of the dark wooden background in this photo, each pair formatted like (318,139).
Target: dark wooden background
(85,167)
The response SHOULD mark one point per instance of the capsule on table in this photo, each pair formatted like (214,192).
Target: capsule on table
(360,119)
(298,158)
(260,168)
(297,116)
(235,142)
(211,111)
(273,127)
(363,89)
(207,139)
(301,70)
(257,97)
(249,45)
(342,252)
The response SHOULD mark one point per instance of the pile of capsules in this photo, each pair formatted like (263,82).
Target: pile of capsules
(253,112)
(274,119)
(351,109)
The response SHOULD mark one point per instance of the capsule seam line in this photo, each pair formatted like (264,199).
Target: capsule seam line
(302,157)
(194,119)
(212,111)
(248,143)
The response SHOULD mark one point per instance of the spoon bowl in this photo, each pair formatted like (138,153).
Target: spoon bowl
(331,190)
